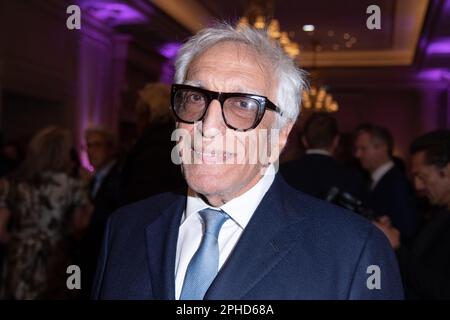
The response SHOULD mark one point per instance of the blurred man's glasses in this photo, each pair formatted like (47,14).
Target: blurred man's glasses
(240,111)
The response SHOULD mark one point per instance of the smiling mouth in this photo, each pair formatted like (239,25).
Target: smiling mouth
(212,156)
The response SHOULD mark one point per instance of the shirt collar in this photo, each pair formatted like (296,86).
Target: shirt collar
(380,172)
(319,151)
(241,208)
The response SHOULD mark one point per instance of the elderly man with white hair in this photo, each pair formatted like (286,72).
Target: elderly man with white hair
(239,231)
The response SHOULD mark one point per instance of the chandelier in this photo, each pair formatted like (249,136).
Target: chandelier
(259,15)
(319,99)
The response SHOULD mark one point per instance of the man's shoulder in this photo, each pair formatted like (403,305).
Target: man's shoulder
(146,210)
(395,174)
(329,220)
(334,235)
(393,181)
(310,159)
(331,214)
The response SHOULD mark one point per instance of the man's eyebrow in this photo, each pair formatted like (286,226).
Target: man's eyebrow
(246,90)
(237,89)
(195,83)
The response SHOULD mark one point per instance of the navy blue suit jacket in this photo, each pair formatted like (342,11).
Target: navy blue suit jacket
(393,196)
(294,247)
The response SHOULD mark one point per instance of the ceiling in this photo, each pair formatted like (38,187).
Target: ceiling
(335,22)
(434,46)
(393,45)
(412,31)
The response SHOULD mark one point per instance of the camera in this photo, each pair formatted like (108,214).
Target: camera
(348,201)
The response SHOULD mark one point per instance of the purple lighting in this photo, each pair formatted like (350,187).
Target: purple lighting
(434,74)
(167,72)
(169,50)
(85,161)
(114,12)
(441,46)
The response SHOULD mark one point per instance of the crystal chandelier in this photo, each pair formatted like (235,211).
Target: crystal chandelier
(319,99)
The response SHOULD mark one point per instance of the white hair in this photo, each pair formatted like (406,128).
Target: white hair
(290,79)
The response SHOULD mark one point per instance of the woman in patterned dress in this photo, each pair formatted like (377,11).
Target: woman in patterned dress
(44,208)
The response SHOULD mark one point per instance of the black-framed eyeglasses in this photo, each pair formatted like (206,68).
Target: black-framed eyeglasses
(240,111)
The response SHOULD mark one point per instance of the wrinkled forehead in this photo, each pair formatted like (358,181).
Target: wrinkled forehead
(237,52)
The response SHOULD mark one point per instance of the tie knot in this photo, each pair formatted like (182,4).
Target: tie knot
(213,219)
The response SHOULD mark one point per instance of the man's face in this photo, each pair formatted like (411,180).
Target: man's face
(98,150)
(227,67)
(368,152)
(429,180)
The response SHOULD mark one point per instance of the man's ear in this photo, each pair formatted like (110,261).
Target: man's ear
(284,134)
(277,145)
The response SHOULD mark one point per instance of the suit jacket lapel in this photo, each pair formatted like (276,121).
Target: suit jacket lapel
(271,232)
(162,237)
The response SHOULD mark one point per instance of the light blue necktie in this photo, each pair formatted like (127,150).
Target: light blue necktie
(204,265)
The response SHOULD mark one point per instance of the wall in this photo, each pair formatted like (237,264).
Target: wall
(73,78)
(44,60)
(396,110)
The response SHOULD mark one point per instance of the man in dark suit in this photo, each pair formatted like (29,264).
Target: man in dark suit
(317,172)
(239,231)
(104,196)
(426,263)
(389,192)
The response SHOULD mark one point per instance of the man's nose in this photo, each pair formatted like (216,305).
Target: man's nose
(213,121)
(419,185)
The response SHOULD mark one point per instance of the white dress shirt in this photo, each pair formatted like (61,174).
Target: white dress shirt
(379,173)
(319,151)
(239,209)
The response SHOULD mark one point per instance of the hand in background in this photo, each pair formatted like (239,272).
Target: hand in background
(81,220)
(392,233)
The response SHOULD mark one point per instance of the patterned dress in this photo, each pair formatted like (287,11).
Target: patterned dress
(37,254)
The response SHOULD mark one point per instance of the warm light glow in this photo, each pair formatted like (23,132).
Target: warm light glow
(260,22)
(284,39)
(320,99)
(274,29)
(309,28)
